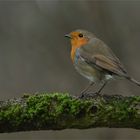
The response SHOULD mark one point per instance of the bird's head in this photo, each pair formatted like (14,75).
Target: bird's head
(79,37)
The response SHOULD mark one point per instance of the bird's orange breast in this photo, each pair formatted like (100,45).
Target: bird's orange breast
(77,44)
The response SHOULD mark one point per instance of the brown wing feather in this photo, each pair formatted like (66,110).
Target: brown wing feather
(109,65)
(104,63)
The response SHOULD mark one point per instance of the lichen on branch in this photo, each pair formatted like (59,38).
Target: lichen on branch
(58,111)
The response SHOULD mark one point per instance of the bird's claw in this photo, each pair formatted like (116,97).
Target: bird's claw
(88,95)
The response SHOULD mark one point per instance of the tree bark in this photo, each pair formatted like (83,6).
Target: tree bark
(62,111)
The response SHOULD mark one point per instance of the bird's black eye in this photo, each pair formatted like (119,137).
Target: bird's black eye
(80,35)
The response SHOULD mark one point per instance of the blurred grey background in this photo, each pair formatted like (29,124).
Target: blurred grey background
(35,56)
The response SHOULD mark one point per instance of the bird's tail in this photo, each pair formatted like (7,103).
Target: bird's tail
(133,81)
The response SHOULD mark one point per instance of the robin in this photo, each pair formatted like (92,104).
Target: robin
(94,60)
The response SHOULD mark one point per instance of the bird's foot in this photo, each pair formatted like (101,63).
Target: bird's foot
(88,95)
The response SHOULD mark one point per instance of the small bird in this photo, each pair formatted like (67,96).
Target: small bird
(94,60)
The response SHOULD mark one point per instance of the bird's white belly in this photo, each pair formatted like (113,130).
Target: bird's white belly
(88,72)
(92,74)
(108,77)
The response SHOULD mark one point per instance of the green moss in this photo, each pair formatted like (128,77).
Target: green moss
(59,111)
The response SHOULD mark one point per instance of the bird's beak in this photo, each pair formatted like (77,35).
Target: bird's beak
(68,36)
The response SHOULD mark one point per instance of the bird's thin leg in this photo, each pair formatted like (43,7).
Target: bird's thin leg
(101,88)
(84,91)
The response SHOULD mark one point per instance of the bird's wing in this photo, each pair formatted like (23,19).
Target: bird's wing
(108,63)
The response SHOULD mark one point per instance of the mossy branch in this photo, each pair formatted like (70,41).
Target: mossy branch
(62,111)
